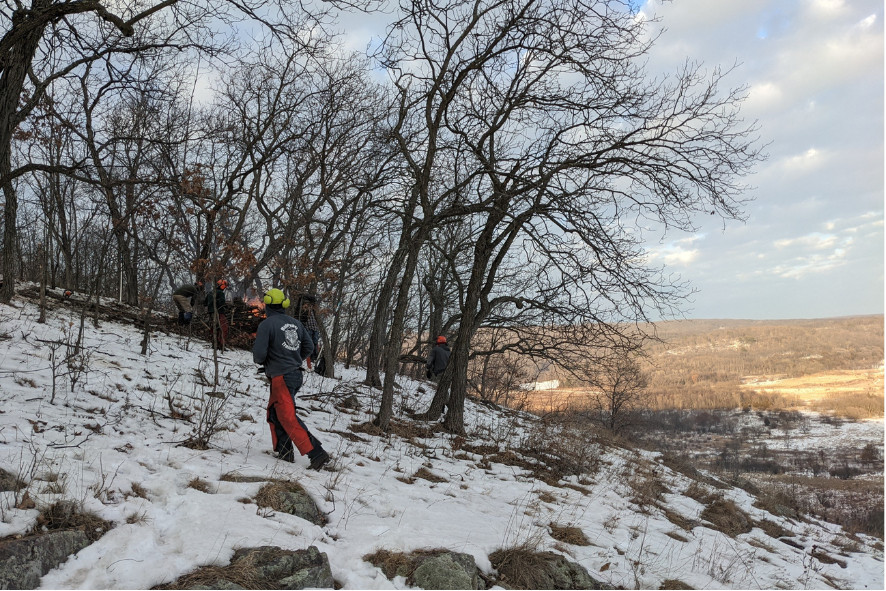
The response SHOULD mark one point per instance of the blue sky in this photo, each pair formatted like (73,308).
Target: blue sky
(812,244)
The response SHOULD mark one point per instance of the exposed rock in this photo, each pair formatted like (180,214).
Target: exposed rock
(520,568)
(24,561)
(266,567)
(429,569)
(565,574)
(451,570)
(9,481)
(291,498)
(300,504)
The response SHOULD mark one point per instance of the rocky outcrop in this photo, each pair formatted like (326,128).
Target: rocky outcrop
(429,569)
(24,561)
(266,567)
(451,570)
(289,497)
(520,568)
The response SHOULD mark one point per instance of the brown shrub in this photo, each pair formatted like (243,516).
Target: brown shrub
(674,584)
(569,535)
(68,515)
(678,520)
(727,517)
(700,493)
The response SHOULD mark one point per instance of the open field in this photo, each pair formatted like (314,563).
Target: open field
(804,390)
(830,365)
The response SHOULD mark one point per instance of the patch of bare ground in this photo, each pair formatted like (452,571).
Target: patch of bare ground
(674,584)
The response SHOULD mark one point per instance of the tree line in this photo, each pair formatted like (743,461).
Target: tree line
(487,166)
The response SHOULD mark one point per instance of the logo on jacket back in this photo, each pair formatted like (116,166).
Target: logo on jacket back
(291,340)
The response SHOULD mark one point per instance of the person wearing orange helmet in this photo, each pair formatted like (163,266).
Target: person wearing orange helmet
(215,302)
(438,360)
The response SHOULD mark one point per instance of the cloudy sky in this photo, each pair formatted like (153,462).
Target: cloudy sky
(812,244)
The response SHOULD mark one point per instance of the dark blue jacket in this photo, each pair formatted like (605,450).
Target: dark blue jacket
(439,359)
(281,343)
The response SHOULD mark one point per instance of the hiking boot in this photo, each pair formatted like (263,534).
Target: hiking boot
(319,459)
(288,455)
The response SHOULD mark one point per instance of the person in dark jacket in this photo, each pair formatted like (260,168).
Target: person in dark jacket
(215,302)
(439,359)
(184,298)
(281,343)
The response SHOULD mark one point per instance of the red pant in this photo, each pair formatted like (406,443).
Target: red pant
(281,414)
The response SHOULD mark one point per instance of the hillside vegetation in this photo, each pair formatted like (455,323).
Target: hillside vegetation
(829,365)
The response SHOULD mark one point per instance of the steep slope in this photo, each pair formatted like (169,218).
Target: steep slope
(113,444)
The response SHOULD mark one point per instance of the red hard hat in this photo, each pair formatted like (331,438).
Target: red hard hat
(441,339)
(222,283)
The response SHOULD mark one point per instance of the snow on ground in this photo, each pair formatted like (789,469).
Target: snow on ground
(113,433)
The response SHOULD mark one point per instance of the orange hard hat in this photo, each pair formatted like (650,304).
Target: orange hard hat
(222,283)
(441,340)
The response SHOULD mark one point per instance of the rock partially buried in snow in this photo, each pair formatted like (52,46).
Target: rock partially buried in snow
(24,561)
(451,570)
(265,567)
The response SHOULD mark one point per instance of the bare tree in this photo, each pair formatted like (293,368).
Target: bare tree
(564,142)
(619,385)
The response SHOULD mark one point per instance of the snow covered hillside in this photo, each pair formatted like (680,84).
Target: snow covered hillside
(112,443)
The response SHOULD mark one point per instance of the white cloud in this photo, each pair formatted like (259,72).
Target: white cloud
(814,241)
(806,162)
(827,9)
(677,253)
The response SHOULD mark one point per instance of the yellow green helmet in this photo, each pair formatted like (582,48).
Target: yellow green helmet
(276,296)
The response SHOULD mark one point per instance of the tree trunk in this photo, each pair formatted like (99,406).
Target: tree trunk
(395,337)
(382,307)
(22,39)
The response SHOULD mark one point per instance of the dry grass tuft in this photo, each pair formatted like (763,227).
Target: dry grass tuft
(68,515)
(137,518)
(824,558)
(426,474)
(139,491)
(679,520)
(569,535)
(520,567)
(242,573)
(199,484)
(700,493)
(392,564)
(648,488)
(546,497)
(400,564)
(676,536)
(772,529)
(727,517)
